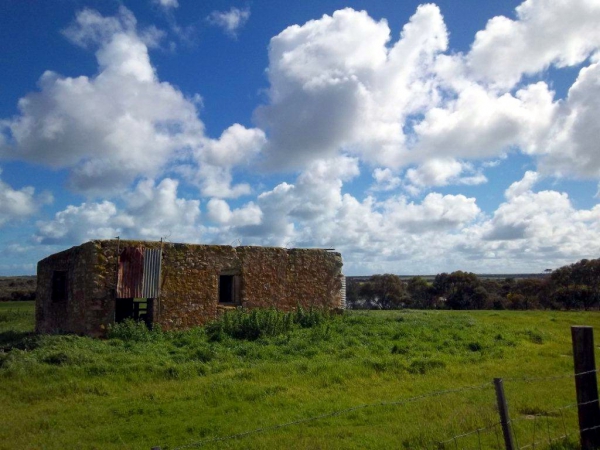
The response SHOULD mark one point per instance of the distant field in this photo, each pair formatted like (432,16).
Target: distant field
(174,389)
(17,288)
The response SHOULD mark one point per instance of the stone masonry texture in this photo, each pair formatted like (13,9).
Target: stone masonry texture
(189,284)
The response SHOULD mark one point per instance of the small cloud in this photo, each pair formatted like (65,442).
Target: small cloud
(152,36)
(167,4)
(385,180)
(492,163)
(230,21)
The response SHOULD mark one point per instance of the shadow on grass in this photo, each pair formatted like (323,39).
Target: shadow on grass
(22,340)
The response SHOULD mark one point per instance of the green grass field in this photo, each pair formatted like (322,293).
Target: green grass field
(175,389)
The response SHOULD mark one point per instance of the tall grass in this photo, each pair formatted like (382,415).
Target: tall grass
(257,323)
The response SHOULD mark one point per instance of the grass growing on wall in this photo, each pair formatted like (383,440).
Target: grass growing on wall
(141,389)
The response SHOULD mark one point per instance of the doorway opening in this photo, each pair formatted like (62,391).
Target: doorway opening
(229,289)
(138,309)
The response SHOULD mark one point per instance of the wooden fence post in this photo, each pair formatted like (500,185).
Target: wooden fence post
(504,417)
(586,386)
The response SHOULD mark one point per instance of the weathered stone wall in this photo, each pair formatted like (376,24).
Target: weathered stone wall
(74,314)
(270,277)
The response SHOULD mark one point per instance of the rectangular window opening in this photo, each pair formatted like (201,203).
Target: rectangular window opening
(229,289)
(59,286)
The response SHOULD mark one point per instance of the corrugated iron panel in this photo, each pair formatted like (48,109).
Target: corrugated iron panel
(152,267)
(131,273)
(343,292)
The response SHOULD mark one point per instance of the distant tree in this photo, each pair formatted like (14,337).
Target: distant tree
(420,293)
(384,292)
(576,286)
(462,290)
(530,292)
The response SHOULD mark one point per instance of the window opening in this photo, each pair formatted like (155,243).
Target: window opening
(59,285)
(229,289)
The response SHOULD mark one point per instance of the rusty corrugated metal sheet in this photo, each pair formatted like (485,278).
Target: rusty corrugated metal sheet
(152,266)
(131,273)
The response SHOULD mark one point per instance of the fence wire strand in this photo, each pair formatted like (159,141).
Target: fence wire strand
(469,433)
(453,439)
(549,440)
(336,413)
(549,378)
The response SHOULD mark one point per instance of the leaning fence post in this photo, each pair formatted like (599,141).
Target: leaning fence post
(586,386)
(504,417)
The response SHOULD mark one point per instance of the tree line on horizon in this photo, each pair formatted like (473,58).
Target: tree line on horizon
(575,286)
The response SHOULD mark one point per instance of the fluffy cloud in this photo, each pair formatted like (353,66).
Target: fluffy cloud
(480,124)
(315,212)
(534,227)
(220,212)
(230,21)
(113,127)
(441,172)
(571,146)
(339,78)
(406,102)
(123,123)
(559,32)
(385,180)
(216,158)
(150,212)
(18,204)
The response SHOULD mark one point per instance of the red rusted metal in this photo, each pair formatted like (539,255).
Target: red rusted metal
(131,273)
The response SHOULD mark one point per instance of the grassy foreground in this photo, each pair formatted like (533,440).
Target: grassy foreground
(175,389)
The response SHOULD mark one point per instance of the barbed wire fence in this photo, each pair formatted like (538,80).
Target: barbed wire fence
(539,430)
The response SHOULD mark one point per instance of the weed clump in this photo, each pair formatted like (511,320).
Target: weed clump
(422,366)
(131,330)
(258,323)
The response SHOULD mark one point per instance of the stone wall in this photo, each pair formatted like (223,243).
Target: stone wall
(270,277)
(77,313)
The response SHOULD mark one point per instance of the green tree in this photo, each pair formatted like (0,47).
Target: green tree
(462,290)
(420,293)
(385,291)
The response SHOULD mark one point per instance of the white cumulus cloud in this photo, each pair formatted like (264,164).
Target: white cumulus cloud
(111,128)
(18,204)
(150,211)
(340,78)
(545,32)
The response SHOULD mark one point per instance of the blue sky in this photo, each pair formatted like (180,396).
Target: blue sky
(414,138)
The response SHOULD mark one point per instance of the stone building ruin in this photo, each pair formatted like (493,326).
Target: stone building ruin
(86,288)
